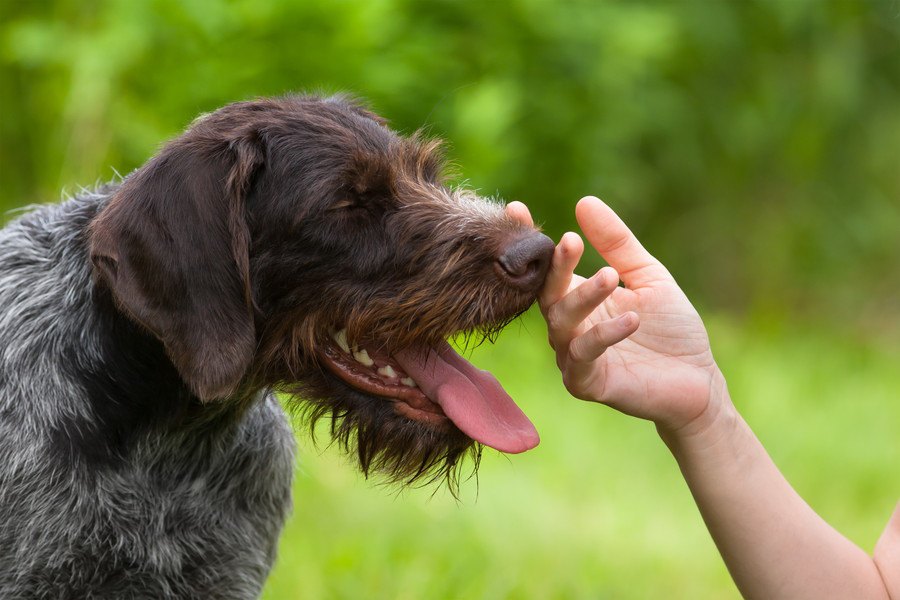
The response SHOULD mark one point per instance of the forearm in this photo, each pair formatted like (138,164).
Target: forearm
(774,544)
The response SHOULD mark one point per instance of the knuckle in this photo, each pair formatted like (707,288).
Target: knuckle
(575,353)
(554,319)
(598,335)
(579,295)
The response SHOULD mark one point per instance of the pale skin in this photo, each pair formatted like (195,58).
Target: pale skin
(643,350)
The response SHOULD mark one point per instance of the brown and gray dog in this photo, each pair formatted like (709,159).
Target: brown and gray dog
(294,244)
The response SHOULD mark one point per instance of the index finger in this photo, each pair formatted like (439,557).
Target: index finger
(562,269)
(609,235)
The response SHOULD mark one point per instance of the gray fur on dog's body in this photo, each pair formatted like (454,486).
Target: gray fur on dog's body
(182,513)
(142,327)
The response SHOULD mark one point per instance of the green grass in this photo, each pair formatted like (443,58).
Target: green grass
(599,510)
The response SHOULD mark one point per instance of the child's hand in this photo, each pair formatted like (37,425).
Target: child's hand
(644,351)
(641,349)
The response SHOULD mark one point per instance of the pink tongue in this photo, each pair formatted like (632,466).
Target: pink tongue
(473,399)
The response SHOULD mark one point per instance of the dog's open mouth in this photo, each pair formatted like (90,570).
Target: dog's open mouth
(435,383)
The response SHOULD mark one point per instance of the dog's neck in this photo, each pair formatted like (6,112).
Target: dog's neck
(110,383)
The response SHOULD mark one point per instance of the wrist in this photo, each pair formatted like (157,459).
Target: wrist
(718,423)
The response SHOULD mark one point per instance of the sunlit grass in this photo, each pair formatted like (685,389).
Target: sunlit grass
(598,510)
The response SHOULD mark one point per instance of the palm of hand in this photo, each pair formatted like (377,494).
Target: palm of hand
(662,372)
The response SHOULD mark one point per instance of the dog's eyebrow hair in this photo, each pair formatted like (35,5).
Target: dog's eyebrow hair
(147,325)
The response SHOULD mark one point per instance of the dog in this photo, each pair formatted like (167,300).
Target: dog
(294,245)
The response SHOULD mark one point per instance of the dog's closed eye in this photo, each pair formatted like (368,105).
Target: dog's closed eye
(345,203)
(369,202)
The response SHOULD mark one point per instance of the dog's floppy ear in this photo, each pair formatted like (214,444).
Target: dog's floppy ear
(173,247)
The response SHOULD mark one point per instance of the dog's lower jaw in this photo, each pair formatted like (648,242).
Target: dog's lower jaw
(388,444)
(381,376)
(435,418)
(434,378)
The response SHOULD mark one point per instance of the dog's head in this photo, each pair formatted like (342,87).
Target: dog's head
(298,243)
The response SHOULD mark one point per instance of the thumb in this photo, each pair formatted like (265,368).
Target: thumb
(609,235)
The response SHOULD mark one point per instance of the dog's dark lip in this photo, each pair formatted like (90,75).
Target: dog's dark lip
(408,401)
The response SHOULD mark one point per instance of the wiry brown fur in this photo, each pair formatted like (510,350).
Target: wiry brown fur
(270,224)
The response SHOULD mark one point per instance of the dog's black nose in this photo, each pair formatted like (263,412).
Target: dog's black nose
(523,262)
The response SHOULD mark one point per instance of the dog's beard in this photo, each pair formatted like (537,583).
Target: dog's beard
(401,450)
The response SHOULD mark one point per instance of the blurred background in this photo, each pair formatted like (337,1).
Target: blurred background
(754,147)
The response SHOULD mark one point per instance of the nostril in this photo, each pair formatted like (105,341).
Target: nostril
(510,266)
(516,268)
(524,261)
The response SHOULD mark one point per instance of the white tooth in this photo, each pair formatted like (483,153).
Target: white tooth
(363,357)
(340,338)
(408,382)
(387,371)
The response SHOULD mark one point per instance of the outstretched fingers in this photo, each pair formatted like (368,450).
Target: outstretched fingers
(562,269)
(609,235)
(565,317)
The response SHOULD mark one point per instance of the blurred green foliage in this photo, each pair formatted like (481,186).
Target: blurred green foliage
(753,145)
